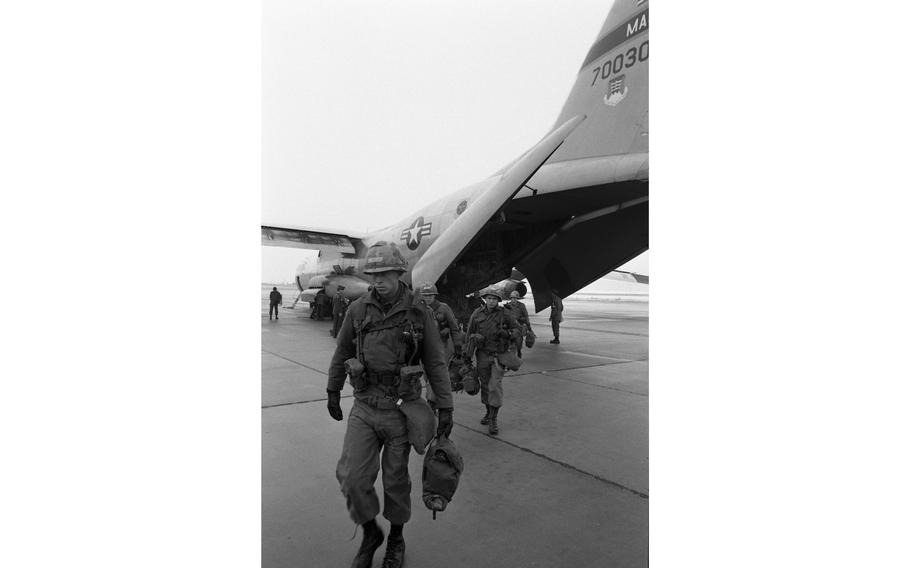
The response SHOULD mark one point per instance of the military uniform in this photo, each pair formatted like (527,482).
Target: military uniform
(375,423)
(492,331)
(321,302)
(520,313)
(555,316)
(387,341)
(449,330)
(339,307)
(274,302)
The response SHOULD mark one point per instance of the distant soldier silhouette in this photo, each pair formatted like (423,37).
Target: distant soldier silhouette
(339,307)
(274,302)
(322,304)
(555,315)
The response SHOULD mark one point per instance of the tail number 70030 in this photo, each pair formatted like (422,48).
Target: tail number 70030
(622,61)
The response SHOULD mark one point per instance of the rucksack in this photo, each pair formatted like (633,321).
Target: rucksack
(442,469)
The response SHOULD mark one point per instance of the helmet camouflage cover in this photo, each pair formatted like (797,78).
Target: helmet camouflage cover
(428,288)
(384,256)
(491,291)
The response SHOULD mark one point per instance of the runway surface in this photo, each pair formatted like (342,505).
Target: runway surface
(565,483)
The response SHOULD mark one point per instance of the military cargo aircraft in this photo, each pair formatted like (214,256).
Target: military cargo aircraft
(568,211)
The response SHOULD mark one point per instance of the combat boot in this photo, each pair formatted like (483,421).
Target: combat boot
(486,417)
(394,553)
(494,427)
(372,539)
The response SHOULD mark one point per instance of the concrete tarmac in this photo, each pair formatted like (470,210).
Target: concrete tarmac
(565,483)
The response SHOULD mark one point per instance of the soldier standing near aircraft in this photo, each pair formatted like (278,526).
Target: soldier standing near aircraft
(449,330)
(555,315)
(274,301)
(339,307)
(491,331)
(383,336)
(520,313)
(321,308)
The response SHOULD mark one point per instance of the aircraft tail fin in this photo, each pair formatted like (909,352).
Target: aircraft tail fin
(611,89)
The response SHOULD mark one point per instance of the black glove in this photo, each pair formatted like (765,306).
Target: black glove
(334,404)
(445,423)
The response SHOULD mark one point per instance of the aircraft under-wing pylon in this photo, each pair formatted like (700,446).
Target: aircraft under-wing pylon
(565,213)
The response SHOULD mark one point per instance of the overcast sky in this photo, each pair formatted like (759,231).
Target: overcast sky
(372,110)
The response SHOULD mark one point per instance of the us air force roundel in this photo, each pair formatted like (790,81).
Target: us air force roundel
(415,232)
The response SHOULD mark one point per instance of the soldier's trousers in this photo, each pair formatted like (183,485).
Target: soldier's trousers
(369,431)
(555,325)
(490,374)
(337,324)
(275,308)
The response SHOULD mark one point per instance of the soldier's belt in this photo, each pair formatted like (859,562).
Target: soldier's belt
(381,402)
(384,379)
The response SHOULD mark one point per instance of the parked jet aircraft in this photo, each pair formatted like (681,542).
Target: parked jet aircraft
(566,212)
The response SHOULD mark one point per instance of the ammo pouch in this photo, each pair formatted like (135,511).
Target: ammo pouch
(409,385)
(355,371)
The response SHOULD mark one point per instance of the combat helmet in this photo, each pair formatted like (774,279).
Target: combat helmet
(515,294)
(428,288)
(384,256)
(491,291)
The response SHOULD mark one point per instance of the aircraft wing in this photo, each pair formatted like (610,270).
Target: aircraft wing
(464,230)
(624,276)
(313,239)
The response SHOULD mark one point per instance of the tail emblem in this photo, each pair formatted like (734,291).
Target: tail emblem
(412,235)
(616,91)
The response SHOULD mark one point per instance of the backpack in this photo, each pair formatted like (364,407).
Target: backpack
(442,469)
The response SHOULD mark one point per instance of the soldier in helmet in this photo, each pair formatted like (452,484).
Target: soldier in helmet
(383,336)
(339,307)
(445,320)
(555,315)
(520,313)
(274,302)
(492,331)
(322,301)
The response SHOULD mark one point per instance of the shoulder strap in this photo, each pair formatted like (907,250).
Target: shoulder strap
(358,311)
